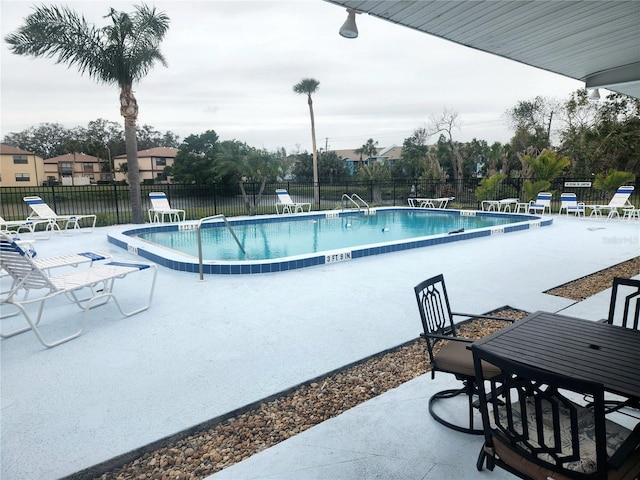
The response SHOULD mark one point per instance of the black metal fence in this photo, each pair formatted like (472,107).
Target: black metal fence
(112,205)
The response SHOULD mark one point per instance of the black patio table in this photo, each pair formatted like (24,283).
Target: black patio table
(574,347)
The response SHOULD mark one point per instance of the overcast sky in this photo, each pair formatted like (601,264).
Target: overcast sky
(232,66)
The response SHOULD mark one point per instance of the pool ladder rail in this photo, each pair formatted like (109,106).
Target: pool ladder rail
(354,199)
(233,234)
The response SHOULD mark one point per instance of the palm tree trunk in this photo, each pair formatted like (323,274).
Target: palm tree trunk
(129,110)
(316,186)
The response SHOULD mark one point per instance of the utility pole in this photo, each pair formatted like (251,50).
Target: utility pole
(326,144)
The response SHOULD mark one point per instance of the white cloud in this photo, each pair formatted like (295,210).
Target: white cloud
(233,64)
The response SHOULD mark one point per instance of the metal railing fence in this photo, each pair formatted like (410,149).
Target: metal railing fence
(111,203)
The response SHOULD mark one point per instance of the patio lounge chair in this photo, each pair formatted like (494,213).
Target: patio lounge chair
(288,205)
(620,200)
(160,207)
(440,202)
(43,212)
(536,426)
(541,204)
(503,205)
(18,226)
(569,203)
(28,275)
(47,264)
(453,356)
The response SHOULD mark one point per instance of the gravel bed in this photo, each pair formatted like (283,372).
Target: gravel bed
(584,287)
(237,438)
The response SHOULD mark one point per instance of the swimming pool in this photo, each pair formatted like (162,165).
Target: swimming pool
(279,243)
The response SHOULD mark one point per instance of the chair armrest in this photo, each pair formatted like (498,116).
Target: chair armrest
(447,337)
(490,317)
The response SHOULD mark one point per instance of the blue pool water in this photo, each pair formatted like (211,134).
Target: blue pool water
(301,236)
(277,243)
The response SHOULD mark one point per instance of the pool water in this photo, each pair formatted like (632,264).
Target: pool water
(301,235)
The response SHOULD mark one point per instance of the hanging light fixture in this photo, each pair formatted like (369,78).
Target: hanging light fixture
(349,28)
(595,94)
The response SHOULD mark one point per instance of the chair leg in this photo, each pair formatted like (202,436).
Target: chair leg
(468,390)
(481,459)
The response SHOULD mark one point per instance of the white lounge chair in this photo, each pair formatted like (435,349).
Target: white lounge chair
(19,226)
(160,207)
(288,205)
(43,212)
(541,204)
(27,275)
(440,202)
(47,264)
(503,205)
(620,200)
(569,203)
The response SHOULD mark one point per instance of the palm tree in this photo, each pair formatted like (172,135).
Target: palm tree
(308,86)
(119,54)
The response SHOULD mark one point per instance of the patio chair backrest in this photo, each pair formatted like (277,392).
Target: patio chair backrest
(283,197)
(568,200)
(20,265)
(40,207)
(532,425)
(544,198)
(624,308)
(621,197)
(435,311)
(159,201)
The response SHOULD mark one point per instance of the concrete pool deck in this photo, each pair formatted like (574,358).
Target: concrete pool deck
(206,348)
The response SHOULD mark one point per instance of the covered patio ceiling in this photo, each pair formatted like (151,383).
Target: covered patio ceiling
(595,41)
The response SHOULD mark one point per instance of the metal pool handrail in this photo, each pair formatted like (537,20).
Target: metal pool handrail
(233,234)
(353,199)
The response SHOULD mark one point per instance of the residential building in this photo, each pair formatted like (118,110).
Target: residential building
(151,164)
(19,168)
(352,160)
(75,169)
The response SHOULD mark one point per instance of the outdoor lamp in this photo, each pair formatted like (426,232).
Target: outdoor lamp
(349,28)
(595,94)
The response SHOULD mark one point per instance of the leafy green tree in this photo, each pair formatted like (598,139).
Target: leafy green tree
(616,135)
(149,137)
(413,158)
(308,86)
(119,54)
(369,149)
(331,168)
(46,140)
(474,154)
(196,159)
(543,168)
(531,121)
(490,187)
(245,164)
(548,165)
(303,167)
(613,180)
(377,173)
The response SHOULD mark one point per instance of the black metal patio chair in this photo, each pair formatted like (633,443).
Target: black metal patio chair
(625,296)
(448,351)
(535,428)
(624,311)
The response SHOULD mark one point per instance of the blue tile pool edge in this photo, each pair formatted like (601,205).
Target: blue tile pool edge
(128,240)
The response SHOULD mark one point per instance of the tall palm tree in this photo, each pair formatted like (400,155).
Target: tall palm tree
(120,54)
(308,86)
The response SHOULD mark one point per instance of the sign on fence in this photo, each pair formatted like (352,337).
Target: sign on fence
(577,184)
